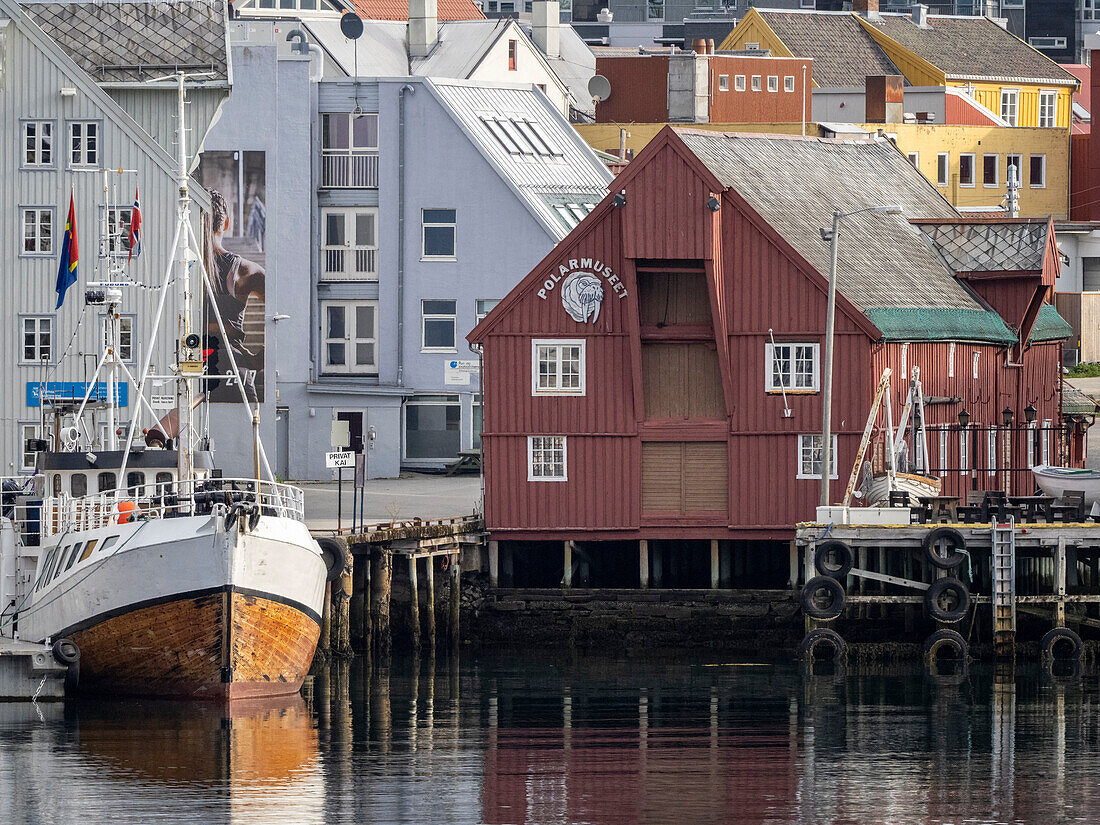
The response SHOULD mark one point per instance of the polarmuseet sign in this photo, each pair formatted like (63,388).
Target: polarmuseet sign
(582,289)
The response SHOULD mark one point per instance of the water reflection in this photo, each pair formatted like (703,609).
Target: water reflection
(594,739)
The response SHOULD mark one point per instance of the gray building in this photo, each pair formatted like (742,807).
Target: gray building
(74,101)
(404,208)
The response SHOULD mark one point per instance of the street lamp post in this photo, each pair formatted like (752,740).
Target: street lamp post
(830,327)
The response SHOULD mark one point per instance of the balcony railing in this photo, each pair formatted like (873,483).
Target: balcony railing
(343,169)
(364,260)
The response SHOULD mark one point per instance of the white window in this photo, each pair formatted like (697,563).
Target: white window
(118,230)
(991,449)
(1089,10)
(38,143)
(83,143)
(37,339)
(1032,428)
(655,10)
(806,4)
(914,158)
(752,46)
(37,231)
(794,367)
(1010,101)
(1012,4)
(482,307)
(28,432)
(1048,107)
(349,244)
(773,83)
(349,150)
(739,83)
(951,360)
(1047,42)
(439,227)
(125,337)
(977,358)
(756,83)
(433,427)
(723,82)
(809,456)
(1037,174)
(1045,443)
(788,83)
(1018,162)
(966,170)
(905,358)
(964,451)
(990,170)
(943,168)
(546,458)
(349,339)
(943,453)
(557,367)
(438,325)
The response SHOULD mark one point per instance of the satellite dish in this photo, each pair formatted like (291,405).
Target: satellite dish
(599,87)
(351,25)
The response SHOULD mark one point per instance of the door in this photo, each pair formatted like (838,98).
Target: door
(350,245)
(282,442)
(355,428)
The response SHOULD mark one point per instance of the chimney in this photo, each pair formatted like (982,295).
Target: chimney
(867,8)
(920,15)
(545,25)
(423,27)
(884,96)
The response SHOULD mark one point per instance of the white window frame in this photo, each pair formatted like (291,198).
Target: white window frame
(37,145)
(424,225)
(351,260)
(771,387)
(951,359)
(723,82)
(431,400)
(1044,443)
(976,360)
(914,158)
(964,451)
(1031,428)
(788,83)
(480,311)
(802,447)
(125,329)
(943,169)
(1030,183)
(996,170)
(83,150)
(350,339)
(1019,166)
(1089,10)
(1010,106)
(438,316)
(973,170)
(37,321)
(773,83)
(739,83)
(1047,42)
(756,83)
(905,358)
(991,449)
(27,430)
(36,213)
(536,361)
(117,242)
(1048,98)
(531,439)
(943,451)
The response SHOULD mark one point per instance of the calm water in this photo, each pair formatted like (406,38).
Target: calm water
(586,739)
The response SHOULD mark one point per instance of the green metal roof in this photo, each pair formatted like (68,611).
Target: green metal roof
(947,324)
(1050,326)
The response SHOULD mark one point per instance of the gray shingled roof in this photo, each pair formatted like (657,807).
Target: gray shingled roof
(796,184)
(127,42)
(844,53)
(990,247)
(971,47)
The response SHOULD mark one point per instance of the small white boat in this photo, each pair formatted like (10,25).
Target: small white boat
(916,485)
(1055,481)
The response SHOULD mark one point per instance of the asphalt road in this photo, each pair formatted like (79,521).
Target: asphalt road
(414,495)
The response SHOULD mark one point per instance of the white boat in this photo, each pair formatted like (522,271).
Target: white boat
(169,579)
(918,486)
(1056,481)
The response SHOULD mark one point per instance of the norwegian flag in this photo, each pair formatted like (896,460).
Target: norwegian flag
(135,229)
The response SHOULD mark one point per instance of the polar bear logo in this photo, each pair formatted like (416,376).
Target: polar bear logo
(581,295)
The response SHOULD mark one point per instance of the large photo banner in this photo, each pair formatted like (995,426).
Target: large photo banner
(236,260)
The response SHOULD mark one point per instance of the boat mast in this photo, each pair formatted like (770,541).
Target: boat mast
(185,392)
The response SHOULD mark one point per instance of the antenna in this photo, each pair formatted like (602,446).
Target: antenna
(351,26)
(599,87)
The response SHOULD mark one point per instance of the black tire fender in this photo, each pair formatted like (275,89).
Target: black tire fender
(66,652)
(837,550)
(947,587)
(823,636)
(950,639)
(1059,636)
(815,585)
(954,557)
(334,553)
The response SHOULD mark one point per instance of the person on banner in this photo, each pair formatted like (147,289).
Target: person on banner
(234,279)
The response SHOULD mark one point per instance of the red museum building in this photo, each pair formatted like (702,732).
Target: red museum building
(652,388)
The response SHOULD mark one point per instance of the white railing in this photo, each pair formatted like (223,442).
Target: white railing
(20,501)
(341,169)
(365,262)
(169,499)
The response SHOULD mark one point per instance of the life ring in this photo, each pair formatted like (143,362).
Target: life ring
(823,636)
(334,553)
(943,640)
(833,558)
(947,600)
(816,609)
(955,542)
(1056,639)
(66,651)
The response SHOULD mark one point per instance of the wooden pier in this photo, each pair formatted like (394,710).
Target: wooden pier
(418,554)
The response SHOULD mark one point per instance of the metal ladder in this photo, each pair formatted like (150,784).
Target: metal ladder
(1004,584)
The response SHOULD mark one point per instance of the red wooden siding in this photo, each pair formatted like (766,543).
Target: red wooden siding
(666,204)
(639,89)
(763,106)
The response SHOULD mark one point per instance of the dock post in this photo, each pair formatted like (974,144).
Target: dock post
(494,564)
(793,576)
(381,581)
(861,562)
(714,565)
(429,607)
(456,578)
(643,563)
(567,565)
(1060,582)
(341,613)
(324,640)
(414,604)
(360,581)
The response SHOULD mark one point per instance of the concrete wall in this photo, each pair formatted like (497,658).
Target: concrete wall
(530,68)
(845,104)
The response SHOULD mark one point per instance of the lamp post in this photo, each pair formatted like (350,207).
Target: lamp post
(830,322)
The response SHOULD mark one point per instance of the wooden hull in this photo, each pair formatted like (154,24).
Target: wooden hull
(221,645)
(912,483)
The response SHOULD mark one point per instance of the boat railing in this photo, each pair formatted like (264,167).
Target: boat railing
(171,499)
(21,504)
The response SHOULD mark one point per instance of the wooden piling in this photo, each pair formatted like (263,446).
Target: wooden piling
(341,613)
(325,639)
(429,607)
(414,605)
(643,563)
(567,565)
(455,605)
(494,564)
(714,566)
(360,617)
(381,581)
